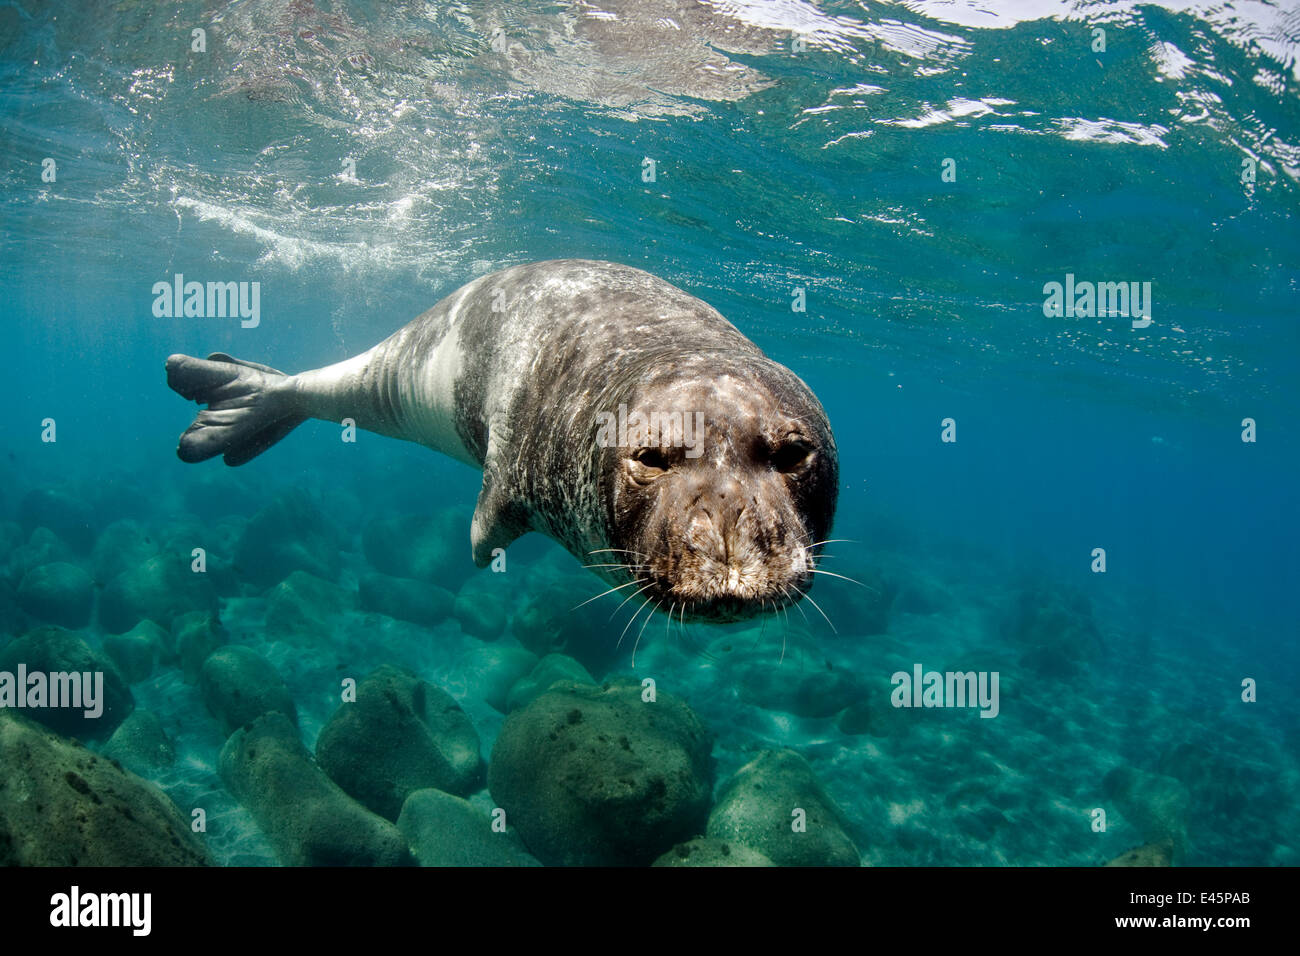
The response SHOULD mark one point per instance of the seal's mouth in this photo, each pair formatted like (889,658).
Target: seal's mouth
(726,610)
(720,588)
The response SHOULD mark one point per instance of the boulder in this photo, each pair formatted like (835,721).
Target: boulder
(1056,628)
(161,589)
(481,604)
(811,690)
(61,805)
(290,534)
(706,851)
(551,669)
(303,609)
(873,712)
(598,776)
(443,830)
(195,636)
(59,593)
(305,817)
(239,685)
(11,537)
(141,745)
(430,548)
(1217,780)
(401,734)
(54,651)
(1148,854)
(757,808)
(137,652)
(42,547)
(557,617)
(1157,805)
(13,619)
(489,671)
(406,599)
(121,546)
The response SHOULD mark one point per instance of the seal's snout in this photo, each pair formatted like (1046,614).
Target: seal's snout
(739,556)
(723,545)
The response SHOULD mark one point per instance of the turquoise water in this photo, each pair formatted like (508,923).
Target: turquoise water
(361,161)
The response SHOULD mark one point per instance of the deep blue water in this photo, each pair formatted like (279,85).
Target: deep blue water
(820,170)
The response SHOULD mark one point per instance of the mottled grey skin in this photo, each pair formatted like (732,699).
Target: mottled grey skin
(509,373)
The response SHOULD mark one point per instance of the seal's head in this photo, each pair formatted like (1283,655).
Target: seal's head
(724,486)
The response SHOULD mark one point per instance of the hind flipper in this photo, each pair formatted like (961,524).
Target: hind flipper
(248,410)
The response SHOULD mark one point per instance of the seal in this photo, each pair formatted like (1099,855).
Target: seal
(608,409)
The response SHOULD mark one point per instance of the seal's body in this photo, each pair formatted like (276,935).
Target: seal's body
(714,498)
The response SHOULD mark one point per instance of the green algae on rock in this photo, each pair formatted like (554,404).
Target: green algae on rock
(489,671)
(53,651)
(759,808)
(601,776)
(61,805)
(59,593)
(401,734)
(406,599)
(238,685)
(445,830)
(161,589)
(304,815)
(138,652)
(707,851)
(551,669)
(303,609)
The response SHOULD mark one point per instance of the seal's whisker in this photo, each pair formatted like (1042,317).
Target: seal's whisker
(786,614)
(785,633)
(618,564)
(832,541)
(785,619)
(628,598)
(620,550)
(644,605)
(832,574)
(681,625)
(799,607)
(762,630)
(819,609)
(690,643)
(642,631)
(602,594)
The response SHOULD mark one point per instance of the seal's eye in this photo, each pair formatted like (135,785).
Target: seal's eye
(651,458)
(791,456)
(647,464)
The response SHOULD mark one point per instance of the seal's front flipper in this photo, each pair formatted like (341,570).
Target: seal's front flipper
(498,519)
(248,410)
